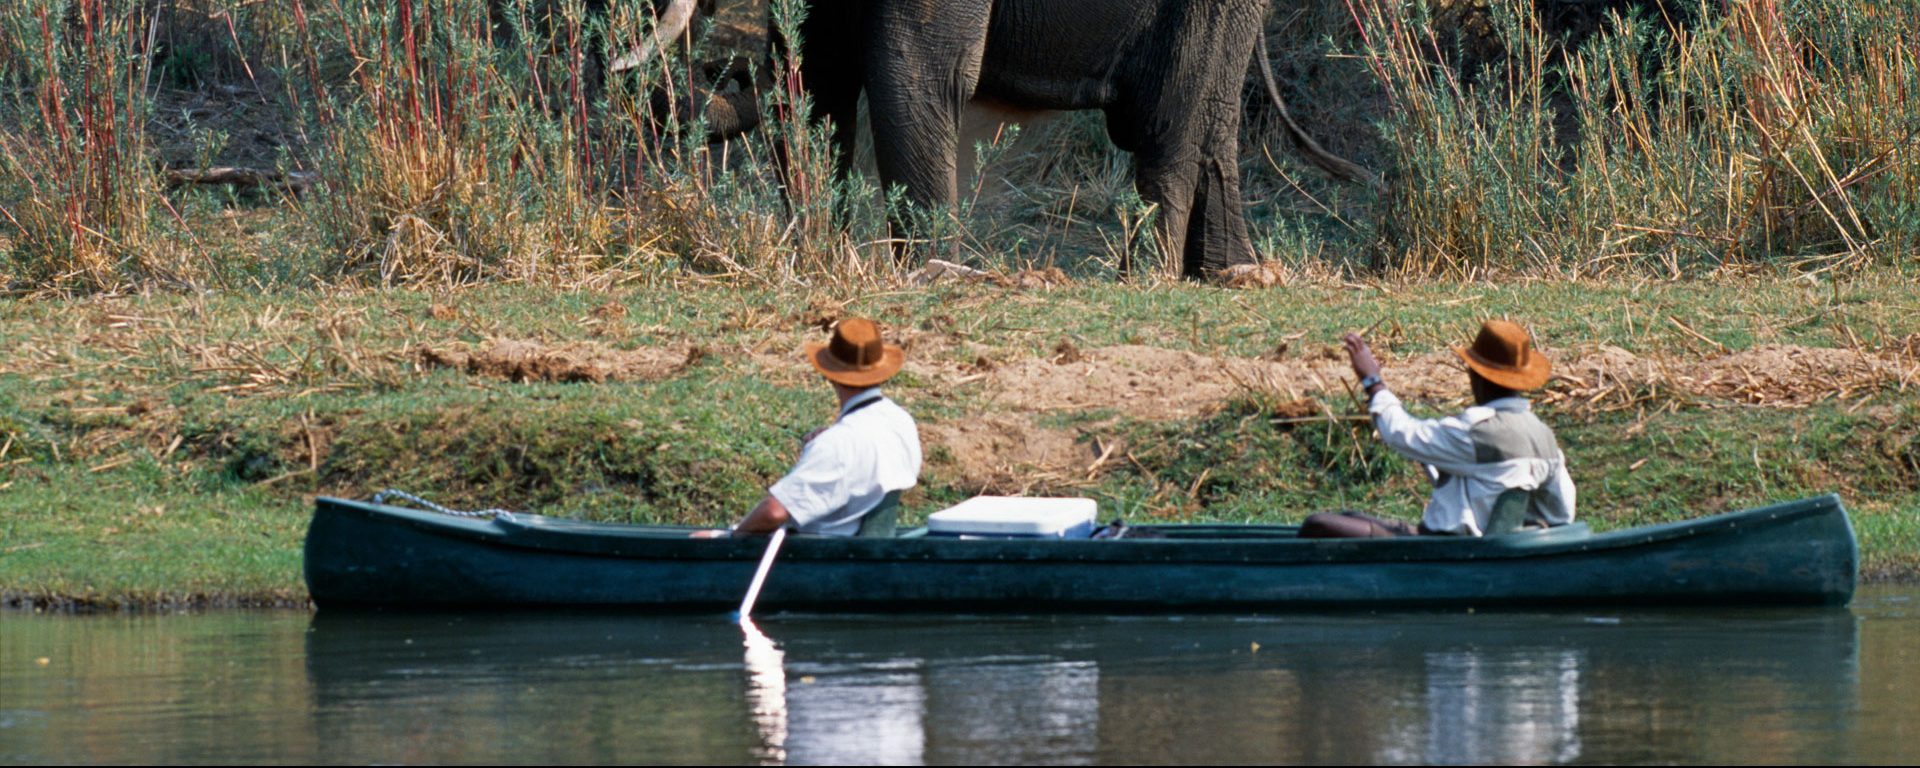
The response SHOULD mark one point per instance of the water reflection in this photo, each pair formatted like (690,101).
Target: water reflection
(1491,707)
(1693,686)
(878,710)
(1414,689)
(767,693)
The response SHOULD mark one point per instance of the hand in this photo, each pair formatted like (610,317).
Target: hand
(1361,356)
(712,533)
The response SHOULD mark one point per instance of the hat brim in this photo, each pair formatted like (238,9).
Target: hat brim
(1532,376)
(891,358)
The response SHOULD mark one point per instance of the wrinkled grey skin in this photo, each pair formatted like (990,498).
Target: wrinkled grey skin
(1167,73)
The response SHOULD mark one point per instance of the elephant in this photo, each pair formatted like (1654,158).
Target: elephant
(1166,73)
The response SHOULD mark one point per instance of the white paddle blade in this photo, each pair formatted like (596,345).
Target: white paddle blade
(760,576)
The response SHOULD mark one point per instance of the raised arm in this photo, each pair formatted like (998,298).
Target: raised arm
(1430,441)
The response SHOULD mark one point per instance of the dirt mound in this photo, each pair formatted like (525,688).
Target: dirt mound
(1153,383)
(1787,375)
(1005,454)
(1145,381)
(525,361)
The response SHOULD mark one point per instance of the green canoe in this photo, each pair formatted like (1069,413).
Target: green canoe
(365,555)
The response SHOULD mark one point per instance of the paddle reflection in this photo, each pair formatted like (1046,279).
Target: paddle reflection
(766,693)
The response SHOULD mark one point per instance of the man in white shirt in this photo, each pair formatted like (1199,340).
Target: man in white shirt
(1495,446)
(847,468)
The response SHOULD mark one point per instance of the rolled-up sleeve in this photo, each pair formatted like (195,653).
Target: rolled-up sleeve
(1444,442)
(817,485)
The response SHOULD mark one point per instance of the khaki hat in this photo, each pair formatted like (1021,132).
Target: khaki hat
(856,356)
(1504,355)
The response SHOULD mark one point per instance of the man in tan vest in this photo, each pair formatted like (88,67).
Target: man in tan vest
(1494,446)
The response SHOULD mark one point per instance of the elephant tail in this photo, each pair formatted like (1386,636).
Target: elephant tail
(1336,166)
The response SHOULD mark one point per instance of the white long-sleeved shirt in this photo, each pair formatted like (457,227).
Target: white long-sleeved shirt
(847,469)
(1480,453)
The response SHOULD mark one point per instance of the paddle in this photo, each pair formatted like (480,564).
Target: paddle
(760,576)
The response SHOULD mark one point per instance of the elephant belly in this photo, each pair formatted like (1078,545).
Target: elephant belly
(984,123)
(1057,54)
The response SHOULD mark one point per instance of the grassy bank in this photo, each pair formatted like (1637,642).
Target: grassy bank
(455,256)
(166,448)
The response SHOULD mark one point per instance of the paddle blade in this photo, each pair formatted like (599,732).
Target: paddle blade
(760,575)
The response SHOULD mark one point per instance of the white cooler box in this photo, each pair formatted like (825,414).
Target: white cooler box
(1015,517)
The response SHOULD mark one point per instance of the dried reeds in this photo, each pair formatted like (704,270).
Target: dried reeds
(453,141)
(1741,135)
(77,199)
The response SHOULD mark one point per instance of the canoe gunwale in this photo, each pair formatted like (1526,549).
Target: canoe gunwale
(536,533)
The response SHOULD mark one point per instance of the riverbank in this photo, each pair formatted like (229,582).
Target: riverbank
(164,450)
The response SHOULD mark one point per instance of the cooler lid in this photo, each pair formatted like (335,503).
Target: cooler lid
(1013,516)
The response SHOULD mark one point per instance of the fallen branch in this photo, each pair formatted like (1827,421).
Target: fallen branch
(292,181)
(940,270)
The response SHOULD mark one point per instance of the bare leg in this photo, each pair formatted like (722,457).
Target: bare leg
(1353,525)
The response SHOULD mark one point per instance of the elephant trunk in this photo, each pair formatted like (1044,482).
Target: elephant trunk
(673,24)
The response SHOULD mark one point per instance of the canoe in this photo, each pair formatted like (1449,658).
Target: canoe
(365,555)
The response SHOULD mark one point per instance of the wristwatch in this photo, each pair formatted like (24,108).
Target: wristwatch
(1370,382)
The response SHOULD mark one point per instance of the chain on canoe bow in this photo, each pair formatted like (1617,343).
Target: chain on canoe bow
(385,496)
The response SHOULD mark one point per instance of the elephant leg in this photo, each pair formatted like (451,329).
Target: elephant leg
(1217,232)
(923,64)
(1196,186)
(1166,180)
(830,73)
(1180,115)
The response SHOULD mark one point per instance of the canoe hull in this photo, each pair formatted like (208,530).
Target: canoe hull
(364,555)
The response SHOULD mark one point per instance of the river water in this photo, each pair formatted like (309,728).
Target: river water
(1618,686)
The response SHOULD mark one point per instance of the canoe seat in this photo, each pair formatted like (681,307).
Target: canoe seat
(879,521)
(1509,513)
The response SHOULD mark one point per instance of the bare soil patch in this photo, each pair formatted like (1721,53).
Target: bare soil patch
(1146,382)
(1006,453)
(1010,451)
(528,361)
(1154,383)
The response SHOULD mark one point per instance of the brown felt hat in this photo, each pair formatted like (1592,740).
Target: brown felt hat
(856,356)
(1504,355)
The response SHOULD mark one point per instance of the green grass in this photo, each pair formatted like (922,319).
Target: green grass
(133,477)
(145,535)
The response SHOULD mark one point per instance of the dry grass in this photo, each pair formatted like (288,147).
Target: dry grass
(459,141)
(74,189)
(1669,145)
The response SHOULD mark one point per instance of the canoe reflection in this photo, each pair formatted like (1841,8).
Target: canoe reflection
(1393,688)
